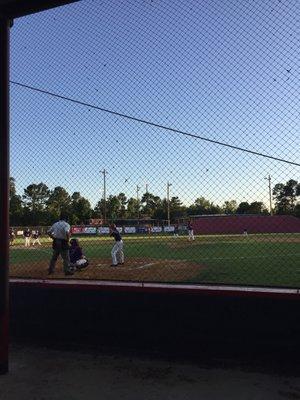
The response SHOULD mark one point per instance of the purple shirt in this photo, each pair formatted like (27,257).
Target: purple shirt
(116,234)
(75,254)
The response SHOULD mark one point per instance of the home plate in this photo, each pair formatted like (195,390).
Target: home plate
(145,265)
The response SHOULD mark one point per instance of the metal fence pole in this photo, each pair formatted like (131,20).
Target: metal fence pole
(4,191)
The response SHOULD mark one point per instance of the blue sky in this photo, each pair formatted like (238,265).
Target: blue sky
(223,69)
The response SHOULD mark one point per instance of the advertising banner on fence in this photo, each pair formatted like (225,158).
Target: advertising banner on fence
(169,228)
(104,230)
(76,230)
(141,229)
(156,229)
(90,230)
(129,229)
(83,230)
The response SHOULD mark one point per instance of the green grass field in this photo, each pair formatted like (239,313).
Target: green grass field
(261,260)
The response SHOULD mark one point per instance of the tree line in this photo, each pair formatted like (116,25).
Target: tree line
(39,205)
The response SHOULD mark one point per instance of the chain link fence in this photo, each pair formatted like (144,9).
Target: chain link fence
(165,134)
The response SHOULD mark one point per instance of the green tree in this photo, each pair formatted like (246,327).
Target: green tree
(98,209)
(75,197)
(177,209)
(35,196)
(122,205)
(81,210)
(285,196)
(132,208)
(229,207)
(257,207)
(58,201)
(243,208)
(112,207)
(297,210)
(161,210)
(150,203)
(203,206)
(15,204)
(12,187)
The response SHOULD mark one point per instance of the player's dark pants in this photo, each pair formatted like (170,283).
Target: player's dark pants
(60,247)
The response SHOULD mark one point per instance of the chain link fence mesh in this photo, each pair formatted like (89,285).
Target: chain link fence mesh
(173,123)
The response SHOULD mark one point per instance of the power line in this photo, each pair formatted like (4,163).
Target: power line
(143,121)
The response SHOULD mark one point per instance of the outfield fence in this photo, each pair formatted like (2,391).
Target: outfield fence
(172,124)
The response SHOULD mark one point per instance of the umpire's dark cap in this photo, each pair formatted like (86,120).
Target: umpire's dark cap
(64,216)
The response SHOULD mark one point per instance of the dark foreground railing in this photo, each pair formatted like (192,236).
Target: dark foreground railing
(217,322)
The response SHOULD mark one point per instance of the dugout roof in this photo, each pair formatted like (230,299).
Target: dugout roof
(16,8)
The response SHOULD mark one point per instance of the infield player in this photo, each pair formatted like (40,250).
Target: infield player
(176,230)
(27,236)
(11,237)
(35,237)
(191,231)
(117,251)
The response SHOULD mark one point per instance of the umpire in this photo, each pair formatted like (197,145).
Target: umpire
(60,233)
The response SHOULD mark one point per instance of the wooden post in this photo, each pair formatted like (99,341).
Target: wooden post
(4,190)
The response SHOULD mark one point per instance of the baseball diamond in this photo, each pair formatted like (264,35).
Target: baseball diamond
(265,260)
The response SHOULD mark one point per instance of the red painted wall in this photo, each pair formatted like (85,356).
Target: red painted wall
(236,224)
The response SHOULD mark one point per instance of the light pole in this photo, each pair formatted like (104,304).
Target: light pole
(270,194)
(137,200)
(104,172)
(168,201)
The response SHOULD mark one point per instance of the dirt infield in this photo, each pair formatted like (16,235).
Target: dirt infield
(135,269)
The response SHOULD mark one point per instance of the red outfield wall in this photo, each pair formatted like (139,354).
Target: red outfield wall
(236,224)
